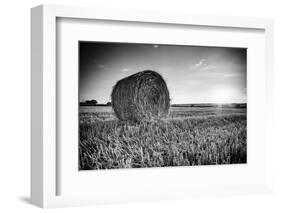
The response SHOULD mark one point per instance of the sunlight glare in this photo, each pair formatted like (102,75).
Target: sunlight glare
(223,95)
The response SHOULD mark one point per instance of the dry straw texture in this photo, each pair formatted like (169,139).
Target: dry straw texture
(142,96)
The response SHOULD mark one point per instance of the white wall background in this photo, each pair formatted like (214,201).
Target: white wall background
(15,104)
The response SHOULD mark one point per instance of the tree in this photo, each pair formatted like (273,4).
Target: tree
(92,102)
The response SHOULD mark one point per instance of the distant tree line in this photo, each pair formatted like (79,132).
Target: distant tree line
(93,102)
(233,105)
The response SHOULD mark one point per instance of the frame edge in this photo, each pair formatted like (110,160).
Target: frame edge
(37,106)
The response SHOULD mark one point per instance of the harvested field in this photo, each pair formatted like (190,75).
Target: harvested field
(188,136)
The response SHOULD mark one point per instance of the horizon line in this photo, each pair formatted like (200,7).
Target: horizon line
(186,103)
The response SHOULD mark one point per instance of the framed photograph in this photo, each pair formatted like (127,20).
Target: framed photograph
(129,106)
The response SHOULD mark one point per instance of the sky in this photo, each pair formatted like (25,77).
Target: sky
(193,74)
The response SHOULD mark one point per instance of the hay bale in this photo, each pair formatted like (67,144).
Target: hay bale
(142,96)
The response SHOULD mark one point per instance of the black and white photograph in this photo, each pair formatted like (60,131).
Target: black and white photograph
(161,105)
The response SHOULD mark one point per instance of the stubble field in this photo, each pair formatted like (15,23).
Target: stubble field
(188,136)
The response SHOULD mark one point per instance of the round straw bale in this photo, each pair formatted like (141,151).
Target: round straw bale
(142,96)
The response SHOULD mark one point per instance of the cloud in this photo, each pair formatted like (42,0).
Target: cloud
(205,65)
(125,70)
(201,63)
(209,67)
(102,66)
(230,75)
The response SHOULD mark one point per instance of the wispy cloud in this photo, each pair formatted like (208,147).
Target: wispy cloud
(124,70)
(102,66)
(209,67)
(200,63)
(205,65)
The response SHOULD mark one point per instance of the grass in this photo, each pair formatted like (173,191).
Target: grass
(189,136)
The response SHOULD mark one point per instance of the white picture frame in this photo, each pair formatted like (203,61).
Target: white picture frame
(44,150)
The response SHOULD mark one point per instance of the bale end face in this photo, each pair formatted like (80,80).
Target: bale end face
(142,96)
